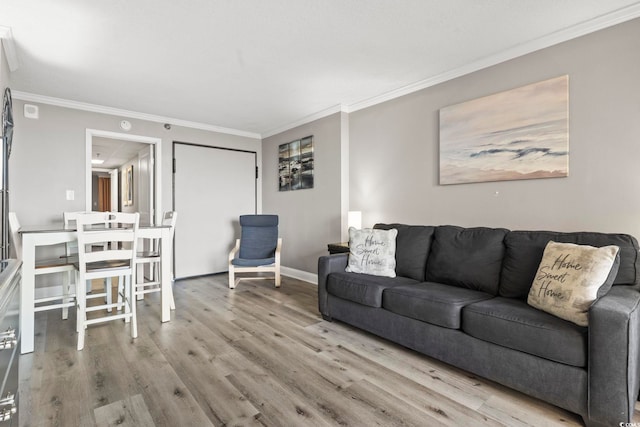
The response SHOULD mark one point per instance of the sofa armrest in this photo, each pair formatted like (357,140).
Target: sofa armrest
(326,265)
(614,355)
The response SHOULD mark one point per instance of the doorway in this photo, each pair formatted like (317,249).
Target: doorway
(130,179)
(212,187)
(104,193)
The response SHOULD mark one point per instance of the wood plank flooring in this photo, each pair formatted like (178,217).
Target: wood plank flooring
(253,356)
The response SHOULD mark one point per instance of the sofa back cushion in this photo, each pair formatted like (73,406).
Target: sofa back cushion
(467,257)
(413,244)
(524,251)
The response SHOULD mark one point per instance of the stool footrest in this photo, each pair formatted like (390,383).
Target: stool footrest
(54,306)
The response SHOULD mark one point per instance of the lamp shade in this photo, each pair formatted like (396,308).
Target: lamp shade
(354,219)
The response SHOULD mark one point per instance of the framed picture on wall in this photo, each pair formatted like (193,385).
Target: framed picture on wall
(127,191)
(295,164)
(522,133)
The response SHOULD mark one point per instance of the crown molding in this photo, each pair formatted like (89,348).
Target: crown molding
(76,105)
(308,119)
(581,29)
(617,17)
(6,35)
(622,15)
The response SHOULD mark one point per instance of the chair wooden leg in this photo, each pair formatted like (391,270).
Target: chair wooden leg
(172,304)
(81,314)
(65,295)
(277,277)
(78,308)
(139,276)
(80,339)
(132,302)
(128,301)
(108,288)
(232,278)
(120,292)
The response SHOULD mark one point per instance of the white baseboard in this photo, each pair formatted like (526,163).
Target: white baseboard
(299,274)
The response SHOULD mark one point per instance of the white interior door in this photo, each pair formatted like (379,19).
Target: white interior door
(212,188)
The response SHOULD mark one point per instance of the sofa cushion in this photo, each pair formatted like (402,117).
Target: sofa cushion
(524,251)
(514,324)
(412,248)
(372,251)
(363,289)
(431,302)
(467,257)
(571,278)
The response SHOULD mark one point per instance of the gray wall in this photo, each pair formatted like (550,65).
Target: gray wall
(391,155)
(49,157)
(4,72)
(394,146)
(311,218)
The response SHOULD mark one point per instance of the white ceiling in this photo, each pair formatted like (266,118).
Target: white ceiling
(114,152)
(259,66)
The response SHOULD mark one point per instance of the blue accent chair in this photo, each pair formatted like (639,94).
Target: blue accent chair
(257,250)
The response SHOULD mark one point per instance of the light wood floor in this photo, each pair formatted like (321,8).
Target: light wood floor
(253,356)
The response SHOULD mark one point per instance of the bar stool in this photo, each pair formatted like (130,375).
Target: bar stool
(47,266)
(153,258)
(71,249)
(98,260)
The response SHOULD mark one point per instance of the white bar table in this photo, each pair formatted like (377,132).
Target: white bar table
(53,234)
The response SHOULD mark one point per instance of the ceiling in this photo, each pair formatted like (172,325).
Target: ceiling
(114,152)
(260,66)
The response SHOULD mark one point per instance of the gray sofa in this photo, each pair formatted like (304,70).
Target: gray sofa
(460,296)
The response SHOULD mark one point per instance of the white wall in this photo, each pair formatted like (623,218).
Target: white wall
(391,155)
(310,218)
(49,157)
(4,72)
(394,146)
(387,155)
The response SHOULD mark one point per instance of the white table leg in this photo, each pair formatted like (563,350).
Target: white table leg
(27,294)
(165,278)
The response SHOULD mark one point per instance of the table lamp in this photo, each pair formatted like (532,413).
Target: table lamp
(354,219)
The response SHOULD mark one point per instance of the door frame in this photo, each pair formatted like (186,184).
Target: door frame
(90,133)
(257,182)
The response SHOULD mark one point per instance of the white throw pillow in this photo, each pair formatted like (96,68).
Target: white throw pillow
(372,251)
(570,279)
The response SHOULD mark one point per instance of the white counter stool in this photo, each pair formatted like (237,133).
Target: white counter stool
(47,266)
(153,258)
(69,219)
(117,259)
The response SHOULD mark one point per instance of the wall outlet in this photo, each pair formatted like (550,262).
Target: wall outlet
(71,195)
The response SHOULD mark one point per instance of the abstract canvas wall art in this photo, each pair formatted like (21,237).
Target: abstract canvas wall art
(295,164)
(521,133)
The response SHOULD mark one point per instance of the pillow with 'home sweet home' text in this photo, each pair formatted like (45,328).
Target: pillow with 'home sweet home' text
(372,251)
(571,278)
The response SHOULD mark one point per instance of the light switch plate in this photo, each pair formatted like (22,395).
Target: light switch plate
(71,195)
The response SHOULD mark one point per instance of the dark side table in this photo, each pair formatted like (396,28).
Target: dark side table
(338,248)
